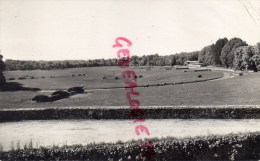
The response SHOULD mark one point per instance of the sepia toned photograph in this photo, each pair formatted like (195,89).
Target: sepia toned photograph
(129,80)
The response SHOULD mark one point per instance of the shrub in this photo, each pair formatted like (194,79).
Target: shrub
(116,78)
(43,77)
(41,98)
(200,76)
(21,78)
(140,76)
(11,78)
(57,95)
(79,75)
(240,74)
(73,75)
(104,77)
(74,90)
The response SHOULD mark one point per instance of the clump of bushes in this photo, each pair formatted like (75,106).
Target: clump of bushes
(242,146)
(59,94)
(79,75)
(11,78)
(140,76)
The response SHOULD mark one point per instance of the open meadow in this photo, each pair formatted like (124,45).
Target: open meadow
(104,86)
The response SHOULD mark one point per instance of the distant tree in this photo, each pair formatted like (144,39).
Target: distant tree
(205,55)
(256,56)
(228,51)
(2,68)
(244,58)
(216,49)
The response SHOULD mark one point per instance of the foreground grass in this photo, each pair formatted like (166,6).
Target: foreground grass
(243,146)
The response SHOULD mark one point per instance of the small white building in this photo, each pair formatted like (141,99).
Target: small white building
(193,64)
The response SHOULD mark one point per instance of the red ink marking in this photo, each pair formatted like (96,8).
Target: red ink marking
(123,56)
(129,43)
(134,104)
(141,128)
(134,112)
(128,73)
(125,53)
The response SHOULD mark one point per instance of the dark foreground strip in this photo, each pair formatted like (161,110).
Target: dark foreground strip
(241,146)
(211,112)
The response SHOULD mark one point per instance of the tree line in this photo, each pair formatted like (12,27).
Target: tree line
(149,60)
(234,53)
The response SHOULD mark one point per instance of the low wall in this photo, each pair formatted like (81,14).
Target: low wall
(169,112)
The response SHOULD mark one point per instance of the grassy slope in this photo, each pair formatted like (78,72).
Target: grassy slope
(239,90)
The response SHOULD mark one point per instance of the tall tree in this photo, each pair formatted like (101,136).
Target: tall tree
(216,49)
(2,68)
(228,51)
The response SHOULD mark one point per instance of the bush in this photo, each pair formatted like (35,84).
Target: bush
(104,77)
(57,95)
(200,76)
(43,77)
(21,78)
(240,74)
(79,75)
(74,90)
(62,93)
(11,78)
(41,98)
(140,76)
(73,75)
(116,78)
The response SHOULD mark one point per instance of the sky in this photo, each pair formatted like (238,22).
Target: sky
(87,29)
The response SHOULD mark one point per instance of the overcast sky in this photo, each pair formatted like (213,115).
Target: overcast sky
(86,29)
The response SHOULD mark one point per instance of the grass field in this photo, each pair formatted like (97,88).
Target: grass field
(241,90)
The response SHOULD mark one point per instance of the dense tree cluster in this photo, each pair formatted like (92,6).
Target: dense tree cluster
(233,53)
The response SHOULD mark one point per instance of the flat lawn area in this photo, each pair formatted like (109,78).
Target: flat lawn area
(241,90)
(62,79)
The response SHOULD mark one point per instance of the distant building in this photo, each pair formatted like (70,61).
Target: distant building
(193,64)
